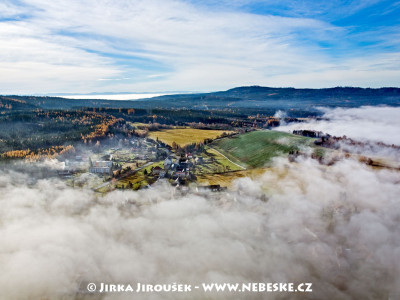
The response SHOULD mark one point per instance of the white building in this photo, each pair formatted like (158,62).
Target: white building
(167,162)
(101,167)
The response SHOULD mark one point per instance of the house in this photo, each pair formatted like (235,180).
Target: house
(199,160)
(156,170)
(65,173)
(213,188)
(101,167)
(100,170)
(180,172)
(103,164)
(167,162)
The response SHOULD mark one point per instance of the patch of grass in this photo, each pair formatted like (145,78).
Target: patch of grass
(319,152)
(221,160)
(185,136)
(257,148)
(214,162)
(138,179)
(148,168)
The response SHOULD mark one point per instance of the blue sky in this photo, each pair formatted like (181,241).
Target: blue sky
(84,46)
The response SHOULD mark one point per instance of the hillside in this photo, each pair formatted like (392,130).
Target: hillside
(298,102)
(30,102)
(257,148)
(265,99)
(10,104)
(36,131)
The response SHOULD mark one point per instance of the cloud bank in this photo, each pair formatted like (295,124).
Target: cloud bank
(337,227)
(368,123)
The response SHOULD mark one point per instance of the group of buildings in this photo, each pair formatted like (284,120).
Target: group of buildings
(101,167)
(176,168)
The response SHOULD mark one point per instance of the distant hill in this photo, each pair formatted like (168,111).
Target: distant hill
(246,99)
(284,98)
(8,103)
(62,103)
(326,92)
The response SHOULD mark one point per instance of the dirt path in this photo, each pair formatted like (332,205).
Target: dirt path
(229,159)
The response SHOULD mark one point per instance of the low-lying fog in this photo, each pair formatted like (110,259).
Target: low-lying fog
(136,96)
(367,123)
(337,227)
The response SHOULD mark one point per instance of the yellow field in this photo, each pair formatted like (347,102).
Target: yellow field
(185,136)
(137,124)
(226,179)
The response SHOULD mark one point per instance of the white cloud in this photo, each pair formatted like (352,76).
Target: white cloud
(197,49)
(9,10)
(113,96)
(31,60)
(337,227)
(367,123)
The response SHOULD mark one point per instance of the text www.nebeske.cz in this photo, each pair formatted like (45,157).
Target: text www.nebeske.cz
(257,287)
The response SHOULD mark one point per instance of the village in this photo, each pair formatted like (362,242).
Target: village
(179,155)
(137,163)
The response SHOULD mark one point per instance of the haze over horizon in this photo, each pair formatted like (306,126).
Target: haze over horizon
(153,46)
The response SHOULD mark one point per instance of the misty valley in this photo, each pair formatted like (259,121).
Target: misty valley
(251,185)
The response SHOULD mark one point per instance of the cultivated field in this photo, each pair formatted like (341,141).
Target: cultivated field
(185,136)
(226,179)
(255,149)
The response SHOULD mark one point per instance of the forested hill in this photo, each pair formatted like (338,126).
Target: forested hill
(29,102)
(285,98)
(250,97)
(292,93)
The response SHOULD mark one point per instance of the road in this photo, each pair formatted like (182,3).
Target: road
(229,159)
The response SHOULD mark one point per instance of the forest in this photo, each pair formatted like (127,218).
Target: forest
(34,124)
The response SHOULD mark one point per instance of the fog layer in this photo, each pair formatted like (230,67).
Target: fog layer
(337,227)
(367,123)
